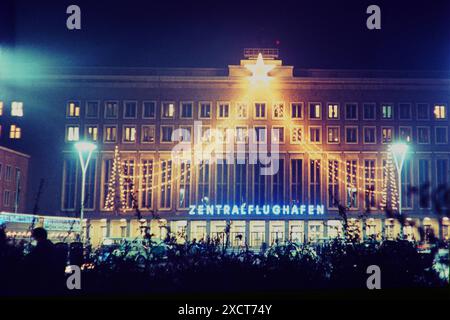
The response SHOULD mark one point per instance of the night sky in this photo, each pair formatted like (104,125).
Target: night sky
(310,34)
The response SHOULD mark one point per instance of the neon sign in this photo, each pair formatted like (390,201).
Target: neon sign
(256,210)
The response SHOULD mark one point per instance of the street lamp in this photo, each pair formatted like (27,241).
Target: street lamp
(399,150)
(85,150)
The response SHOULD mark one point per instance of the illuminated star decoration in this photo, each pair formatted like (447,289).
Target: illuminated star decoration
(259,70)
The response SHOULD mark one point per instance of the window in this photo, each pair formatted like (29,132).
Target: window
(1,108)
(91,133)
(205,133)
(148,134)
(92,109)
(106,176)
(146,184)
(186,111)
(442,172)
(1,172)
(260,134)
(168,110)
(90,185)
(315,111)
(241,134)
(205,110)
(111,109)
(0,130)
(203,182)
(314,182)
(407,184)
(404,111)
(259,184)
(278,184)
(441,135)
(423,135)
(351,184)
(222,174)
(69,184)
(223,110)
(73,109)
(440,111)
(72,133)
(166,184)
(110,134)
(297,110)
(333,111)
(351,111)
(277,134)
(148,109)
(6,198)
(185,134)
(15,132)
(240,183)
(351,134)
(166,133)
(333,183)
(386,135)
(260,110)
(128,179)
(8,173)
(278,110)
(386,111)
(423,111)
(424,183)
(296,181)
(369,111)
(333,134)
(184,192)
(315,134)
(129,134)
(242,110)
(130,109)
(296,134)
(370,135)
(405,134)
(369,184)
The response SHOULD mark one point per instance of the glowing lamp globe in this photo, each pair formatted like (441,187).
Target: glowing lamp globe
(84,146)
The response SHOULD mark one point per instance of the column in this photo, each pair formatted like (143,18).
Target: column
(247,233)
(383,228)
(325,229)
(208,229)
(440,225)
(267,232)
(108,228)
(364,231)
(305,230)
(286,231)
(128,226)
(188,230)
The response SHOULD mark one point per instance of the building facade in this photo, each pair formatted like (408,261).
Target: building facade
(329,132)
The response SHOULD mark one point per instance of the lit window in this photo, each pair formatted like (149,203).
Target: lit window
(92,133)
(130,109)
(351,135)
(129,134)
(148,134)
(111,109)
(440,111)
(297,108)
(405,134)
(441,135)
(110,134)
(73,133)
(278,110)
(369,111)
(333,111)
(149,108)
(351,184)
(260,110)
(186,110)
(168,110)
(241,134)
(386,111)
(278,134)
(73,109)
(333,135)
(314,135)
(223,110)
(369,135)
(314,111)
(205,110)
(242,110)
(423,135)
(351,111)
(15,132)
(166,133)
(17,109)
(1,108)
(296,134)
(386,135)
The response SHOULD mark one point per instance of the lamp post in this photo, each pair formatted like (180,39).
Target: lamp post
(85,150)
(399,150)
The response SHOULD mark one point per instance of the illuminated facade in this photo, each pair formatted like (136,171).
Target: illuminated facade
(332,130)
